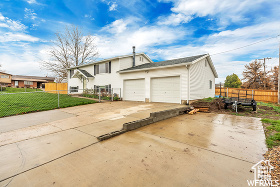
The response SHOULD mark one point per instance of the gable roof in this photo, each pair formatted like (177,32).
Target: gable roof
(109,59)
(164,63)
(171,63)
(87,74)
(83,73)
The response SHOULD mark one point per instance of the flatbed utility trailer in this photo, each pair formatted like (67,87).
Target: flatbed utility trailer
(241,99)
(235,101)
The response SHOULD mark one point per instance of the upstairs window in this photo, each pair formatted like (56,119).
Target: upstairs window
(205,63)
(210,84)
(102,68)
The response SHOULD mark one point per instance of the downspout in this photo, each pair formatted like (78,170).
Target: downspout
(133,63)
(188,67)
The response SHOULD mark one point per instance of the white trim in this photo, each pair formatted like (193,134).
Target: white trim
(110,59)
(197,60)
(189,87)
(180,88)
(212,66)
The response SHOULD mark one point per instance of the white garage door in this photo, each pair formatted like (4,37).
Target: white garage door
(165,89)
(134,90)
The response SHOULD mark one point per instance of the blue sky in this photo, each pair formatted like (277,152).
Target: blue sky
(163,29)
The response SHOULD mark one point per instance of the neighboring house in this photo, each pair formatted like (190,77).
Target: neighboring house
(22,81)
(141,79)
(5,79)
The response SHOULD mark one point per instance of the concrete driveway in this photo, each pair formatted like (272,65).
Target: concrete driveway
(189,150)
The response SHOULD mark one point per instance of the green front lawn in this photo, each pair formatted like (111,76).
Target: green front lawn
(272,132)
(20,103)
(16,90)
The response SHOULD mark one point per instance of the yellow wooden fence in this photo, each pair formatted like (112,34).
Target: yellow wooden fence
(54,87)
(268,96)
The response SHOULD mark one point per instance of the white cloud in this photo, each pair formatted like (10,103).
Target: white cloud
(89,16)
(117,26)
(2,18)
(21,55)
(125,34)
(30,14)
(34,26)
(226,11)
(11,24)
(32,1)
(15,31)
(9,37)
(174,19)
(227,63)
(112,6)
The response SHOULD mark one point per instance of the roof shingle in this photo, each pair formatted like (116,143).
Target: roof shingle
(164,63)
(85,73)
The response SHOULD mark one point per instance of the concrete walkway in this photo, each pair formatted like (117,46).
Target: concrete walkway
(188,150)
(101,117)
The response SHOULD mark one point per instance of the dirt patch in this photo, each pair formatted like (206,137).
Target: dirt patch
(217,106)
(273,155)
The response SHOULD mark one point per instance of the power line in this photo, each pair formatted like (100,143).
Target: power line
(245,46)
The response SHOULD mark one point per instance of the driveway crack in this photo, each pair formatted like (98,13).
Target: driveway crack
(84,132)
(200,148)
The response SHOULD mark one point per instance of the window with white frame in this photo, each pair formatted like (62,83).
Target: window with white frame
(102,68)
(210,84)
(28,83)
(205,63)
(5,76)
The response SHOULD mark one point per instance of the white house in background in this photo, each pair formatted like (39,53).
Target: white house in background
(138,78)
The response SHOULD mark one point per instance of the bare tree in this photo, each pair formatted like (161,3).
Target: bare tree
(254,77)
(274,77)
(71,48)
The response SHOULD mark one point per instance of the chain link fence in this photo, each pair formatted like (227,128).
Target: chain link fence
(102,93)
(32,101)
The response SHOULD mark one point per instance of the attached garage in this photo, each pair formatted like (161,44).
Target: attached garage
(134,90)
(165,89)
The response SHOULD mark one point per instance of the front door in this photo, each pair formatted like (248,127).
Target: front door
(84,84)
(16,83)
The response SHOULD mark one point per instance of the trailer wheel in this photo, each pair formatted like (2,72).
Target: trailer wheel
(254,107)
(225,105)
